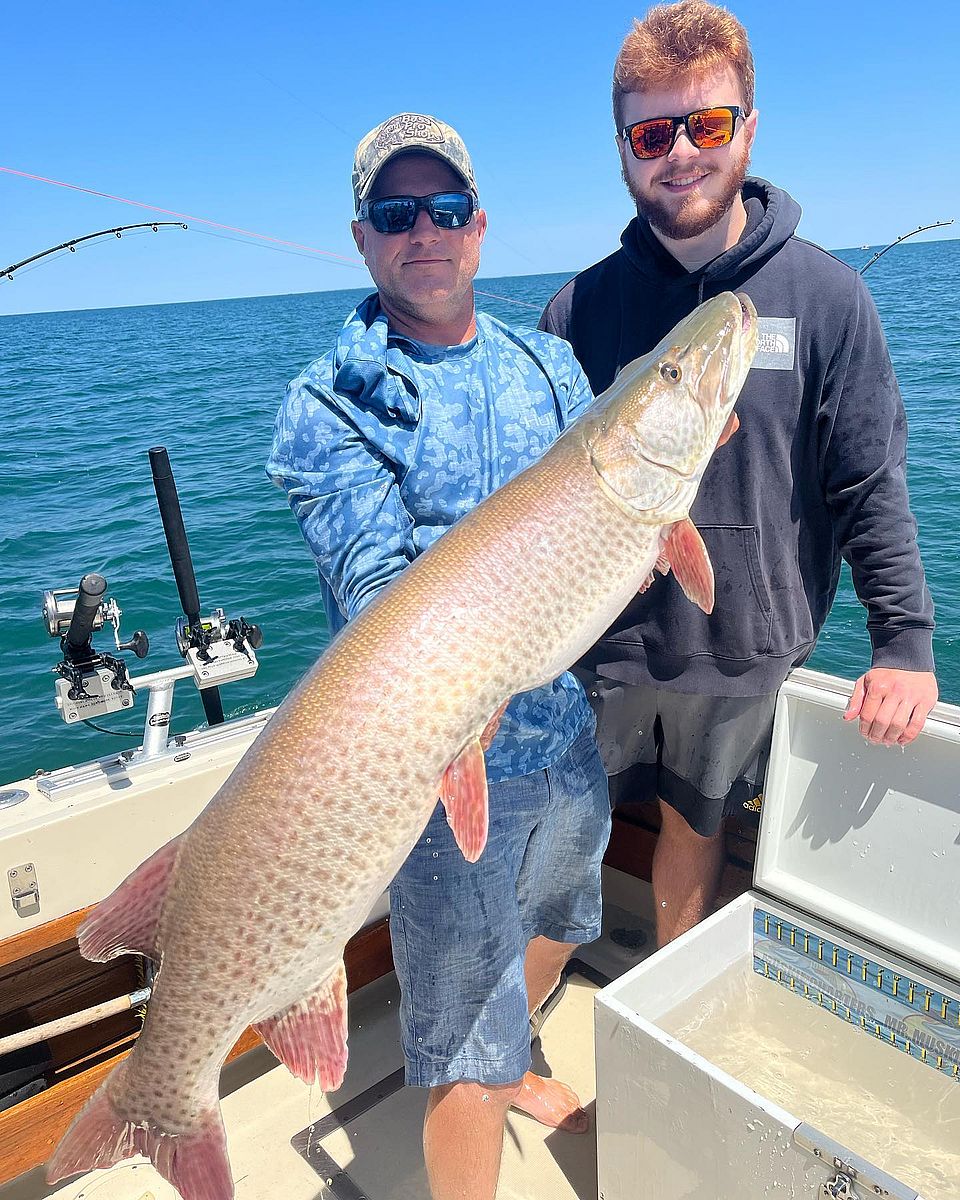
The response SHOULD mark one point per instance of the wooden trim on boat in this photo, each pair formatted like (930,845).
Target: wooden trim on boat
(30,1130)
(42,937)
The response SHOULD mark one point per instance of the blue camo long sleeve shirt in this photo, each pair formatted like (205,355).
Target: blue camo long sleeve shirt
(382,444)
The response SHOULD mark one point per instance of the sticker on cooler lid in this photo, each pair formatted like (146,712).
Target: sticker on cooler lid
(896,1009)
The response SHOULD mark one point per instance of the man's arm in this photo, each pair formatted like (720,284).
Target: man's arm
(863,438)
(343,493)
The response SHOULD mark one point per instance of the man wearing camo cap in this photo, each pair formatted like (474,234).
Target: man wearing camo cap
(420,410)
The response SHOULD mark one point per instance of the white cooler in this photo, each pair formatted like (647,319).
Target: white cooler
(805,1040)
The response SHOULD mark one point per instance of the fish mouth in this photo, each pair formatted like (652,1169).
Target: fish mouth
(748,313)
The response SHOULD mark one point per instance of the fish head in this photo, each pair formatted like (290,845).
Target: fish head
(651,434)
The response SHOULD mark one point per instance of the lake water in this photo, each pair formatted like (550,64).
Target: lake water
(85,394)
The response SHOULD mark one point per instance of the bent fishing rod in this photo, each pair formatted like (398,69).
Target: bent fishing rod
(902,238)
(117,230)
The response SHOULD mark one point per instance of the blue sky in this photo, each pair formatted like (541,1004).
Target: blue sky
(248,114)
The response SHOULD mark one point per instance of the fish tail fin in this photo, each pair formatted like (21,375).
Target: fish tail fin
(194,1162)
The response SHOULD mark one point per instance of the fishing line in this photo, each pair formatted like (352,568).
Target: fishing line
(519,253)
(279,249)
(48,256)
(7,279)
(508,300)
(309,107)
(277,243)
(266,237)
(126,733)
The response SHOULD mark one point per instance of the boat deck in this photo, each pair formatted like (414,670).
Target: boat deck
(287,1140)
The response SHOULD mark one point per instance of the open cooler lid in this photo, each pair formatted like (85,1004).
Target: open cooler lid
(864,836)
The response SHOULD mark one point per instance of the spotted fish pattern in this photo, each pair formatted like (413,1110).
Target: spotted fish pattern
(248,912)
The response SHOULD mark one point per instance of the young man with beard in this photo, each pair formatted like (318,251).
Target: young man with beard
(421,409)
(816,472)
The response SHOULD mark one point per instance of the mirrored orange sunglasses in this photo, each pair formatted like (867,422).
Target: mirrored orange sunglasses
(707,128)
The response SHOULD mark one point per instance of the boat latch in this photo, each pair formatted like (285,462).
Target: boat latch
(24,890)
(840,1187)
(855,1178)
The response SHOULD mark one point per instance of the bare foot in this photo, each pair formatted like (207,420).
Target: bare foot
(551,1103)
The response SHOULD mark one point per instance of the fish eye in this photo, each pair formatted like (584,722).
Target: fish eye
(671,372)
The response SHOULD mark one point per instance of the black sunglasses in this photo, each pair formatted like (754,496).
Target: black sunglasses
(707,128)
(398,214)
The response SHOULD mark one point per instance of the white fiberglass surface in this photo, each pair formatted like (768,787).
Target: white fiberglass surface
(866,837)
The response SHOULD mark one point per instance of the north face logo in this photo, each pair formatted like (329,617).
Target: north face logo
(773,343)
(776,343)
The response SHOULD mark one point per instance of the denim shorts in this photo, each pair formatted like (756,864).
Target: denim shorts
(460,930)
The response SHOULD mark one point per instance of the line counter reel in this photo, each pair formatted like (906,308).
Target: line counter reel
(94,684)
(91,684)
(219,650)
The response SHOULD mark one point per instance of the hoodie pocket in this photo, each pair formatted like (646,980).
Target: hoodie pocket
(740,625)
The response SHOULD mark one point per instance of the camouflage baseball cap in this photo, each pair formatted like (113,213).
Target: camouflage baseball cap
(405,132)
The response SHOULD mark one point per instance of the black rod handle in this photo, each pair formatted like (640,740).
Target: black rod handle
(92,588)
(180,559)
(212,705)
(176,535)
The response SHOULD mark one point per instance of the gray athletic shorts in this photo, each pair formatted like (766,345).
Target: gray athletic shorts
(704,755)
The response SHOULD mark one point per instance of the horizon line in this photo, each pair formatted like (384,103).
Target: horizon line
(44,312)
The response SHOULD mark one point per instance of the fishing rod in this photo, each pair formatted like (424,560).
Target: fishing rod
(190,628)
(117,230)
(902,238)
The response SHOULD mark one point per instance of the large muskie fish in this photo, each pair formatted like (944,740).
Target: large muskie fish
(326,804)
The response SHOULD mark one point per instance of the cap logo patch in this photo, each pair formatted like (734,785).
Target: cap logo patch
(405,128)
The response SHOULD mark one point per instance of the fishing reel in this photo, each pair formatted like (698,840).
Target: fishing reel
(215,650)
(91,683)
(218,650)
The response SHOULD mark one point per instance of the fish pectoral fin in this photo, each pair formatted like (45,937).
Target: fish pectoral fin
(310,1037)
(691,565)
(463,793)
(490,732)
(126,921)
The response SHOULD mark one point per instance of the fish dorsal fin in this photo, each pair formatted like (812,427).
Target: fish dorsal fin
(310,1037)
(463,793)
(126,921)
(691,564)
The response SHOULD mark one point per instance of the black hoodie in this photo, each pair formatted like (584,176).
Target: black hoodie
(816,470)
